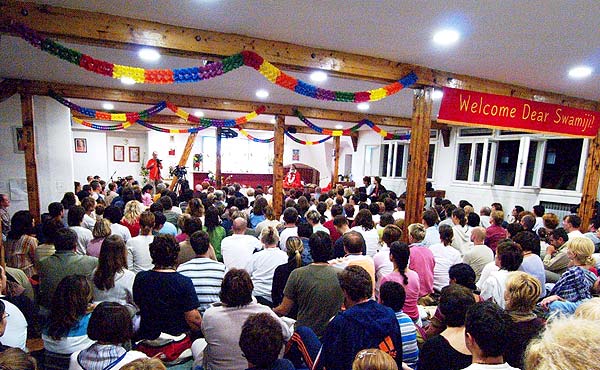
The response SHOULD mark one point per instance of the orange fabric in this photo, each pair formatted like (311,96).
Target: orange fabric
(154,169)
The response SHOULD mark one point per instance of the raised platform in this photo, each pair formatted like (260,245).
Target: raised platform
(244,179)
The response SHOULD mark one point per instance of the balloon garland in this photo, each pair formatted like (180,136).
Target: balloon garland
(250,137)
(95,126)
(218,68)
(303,142)
(208,122)
(371,124)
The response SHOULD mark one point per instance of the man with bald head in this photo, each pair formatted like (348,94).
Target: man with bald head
(479,254)
(238,248)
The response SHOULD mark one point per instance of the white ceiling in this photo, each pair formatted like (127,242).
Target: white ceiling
(530,43)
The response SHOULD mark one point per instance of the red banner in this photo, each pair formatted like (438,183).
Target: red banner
(462,107)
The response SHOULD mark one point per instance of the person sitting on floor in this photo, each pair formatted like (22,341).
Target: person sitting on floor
(261,341)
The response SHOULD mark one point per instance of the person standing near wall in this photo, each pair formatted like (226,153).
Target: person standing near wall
(154,165)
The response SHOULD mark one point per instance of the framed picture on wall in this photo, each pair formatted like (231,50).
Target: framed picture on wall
(80,145)
(134,154)
(18,142)
(118,153)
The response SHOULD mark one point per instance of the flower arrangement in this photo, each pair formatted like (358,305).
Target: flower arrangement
(144,172)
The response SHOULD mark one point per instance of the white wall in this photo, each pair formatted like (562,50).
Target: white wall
(94,161)
(126,139)
(13,164)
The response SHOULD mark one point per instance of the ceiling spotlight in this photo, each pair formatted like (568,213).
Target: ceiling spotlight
(318,76)
(580,72)
(339,127)
(262,94)
(127,81)
(149,55)
(273,120)
(437,94)
(446,37)
(226,103)
(363,106)
(199,113)
(108,106)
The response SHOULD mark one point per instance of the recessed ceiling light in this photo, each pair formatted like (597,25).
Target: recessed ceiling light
(199,113)
(446,37)
(318,76)
(339,127)
(363,106)
(226,103)
(262,94)
(127,81)
(580,72)
(108,106)
(437,94)
(273,120)
(149,55)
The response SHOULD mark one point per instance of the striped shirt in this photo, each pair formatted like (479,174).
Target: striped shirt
(575,284)
(410,351)
(207,276)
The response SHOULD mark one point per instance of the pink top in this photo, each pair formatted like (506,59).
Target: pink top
(147,199)
(411,289)
(94,246)
(423,263)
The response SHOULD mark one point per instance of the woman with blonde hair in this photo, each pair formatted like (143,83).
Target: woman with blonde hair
(101,231)
(195,208)
(262,265)
(131,217)
(17,359)
(145,364)
(521,295)
(373,359)
(294,247)
(589,309)
(577,283)
(567,343)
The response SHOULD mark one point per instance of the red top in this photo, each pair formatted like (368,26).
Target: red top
(154,166)
(292,181)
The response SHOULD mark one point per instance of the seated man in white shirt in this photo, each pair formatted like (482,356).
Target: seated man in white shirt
(13,325)
(238,248)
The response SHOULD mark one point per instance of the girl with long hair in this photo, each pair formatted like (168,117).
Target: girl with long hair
(294,247)
(112,281)
(399,255)
(100,232)
(20,244)
(216,232)
(66,331)
(363,223)
(131,217)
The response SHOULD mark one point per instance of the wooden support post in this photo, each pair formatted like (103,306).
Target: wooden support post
(590,183)
(33,195)
(278,166)
(184,157)
(419,152)
(336,160)
(218,159)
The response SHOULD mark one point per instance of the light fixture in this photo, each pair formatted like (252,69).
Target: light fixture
(127,81)
(273,120)
(580,72)
(339,127)
(226,103)
(318,76)
(149,55)
(446,37)
(199,113)
(363,106)
(262,94)
(108,106)
(437,94)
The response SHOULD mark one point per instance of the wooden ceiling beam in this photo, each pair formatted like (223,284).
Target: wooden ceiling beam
(162,119)
(199,102)
(8,88)
(126,33)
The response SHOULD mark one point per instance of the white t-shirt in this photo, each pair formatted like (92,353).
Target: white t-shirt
(129,356)
(503,366)
(445,257)
(494,287)
(84,236)
(285,234)
(15,334)
(485,273)
(88,222)
(478,257)
(237,250)
(261,268)
(138,253)
(371,239)
(121,293)
(122,231)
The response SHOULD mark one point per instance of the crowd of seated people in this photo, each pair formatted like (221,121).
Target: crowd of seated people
(123,276)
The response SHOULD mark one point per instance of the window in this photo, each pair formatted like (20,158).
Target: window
(394,161)
(561,164)
(471,159)
(430,161)
(372,160)
(506,162)
(534,163)
(463,162)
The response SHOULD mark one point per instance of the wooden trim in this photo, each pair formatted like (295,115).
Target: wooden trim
(590,183)
(183,160)
(419,152)
(8,88)
(121,32)
(187,101)
(278,147)
(31,175)
(336,160)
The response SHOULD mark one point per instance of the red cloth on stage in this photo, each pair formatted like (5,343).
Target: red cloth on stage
(154,168)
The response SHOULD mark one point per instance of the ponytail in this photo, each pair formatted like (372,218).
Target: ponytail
(269,236)
(400,253)
(295,247)
(298,258)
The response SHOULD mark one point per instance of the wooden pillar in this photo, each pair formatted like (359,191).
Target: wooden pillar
(590,183)
(336,160)
(218,159)
(33,195)
(184,157)
(419,152)
(278,166)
